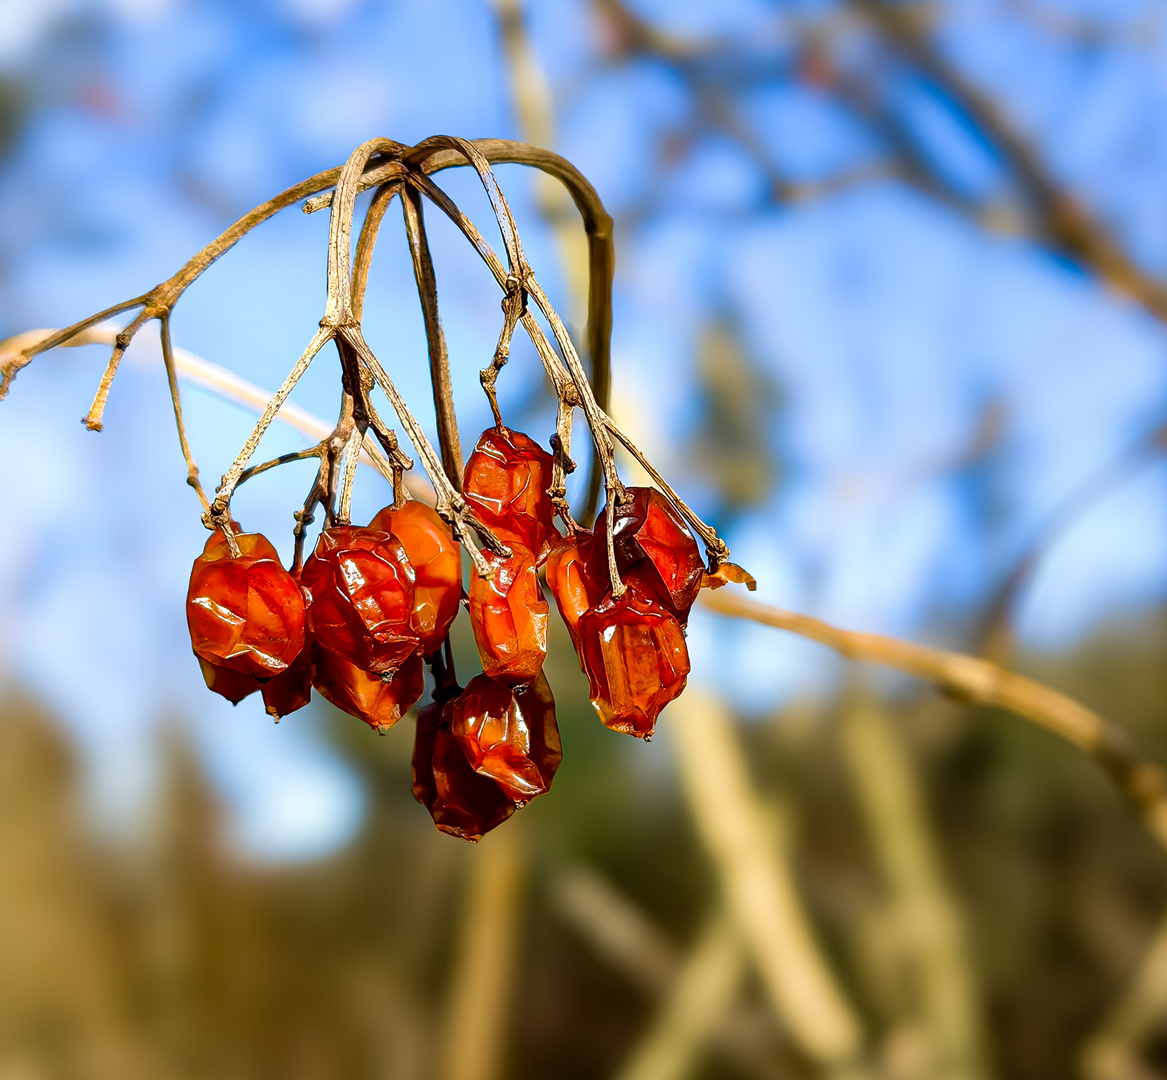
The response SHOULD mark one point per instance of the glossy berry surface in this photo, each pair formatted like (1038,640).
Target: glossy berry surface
(436,559)
(233,685)
(245,613)
(571,581)
(377,702)
(506,482)
(291,689)
(361,586)
(509,616)
(509,735)
(636,660)
(461,802)
(654,550)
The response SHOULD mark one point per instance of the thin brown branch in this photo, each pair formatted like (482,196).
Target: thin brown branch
(1062,218)
(370,228)
(597,225)
(980,682)
(192,470)
(427,291)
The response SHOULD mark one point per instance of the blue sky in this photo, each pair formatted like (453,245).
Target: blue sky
(889,322)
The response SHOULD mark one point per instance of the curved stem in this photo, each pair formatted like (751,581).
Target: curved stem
(219,508)
(597,224)
(980,682)
(370,229)
(427,291)
(192,470)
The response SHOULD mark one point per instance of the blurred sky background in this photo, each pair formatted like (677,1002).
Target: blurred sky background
(920,375)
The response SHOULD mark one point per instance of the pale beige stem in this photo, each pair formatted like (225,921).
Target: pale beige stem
(230,387)
(984,683)
(479,1004)
(696,1006)
(753,864)
(1113,1051)
(929,930)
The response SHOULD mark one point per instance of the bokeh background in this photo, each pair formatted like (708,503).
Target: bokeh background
(890,310)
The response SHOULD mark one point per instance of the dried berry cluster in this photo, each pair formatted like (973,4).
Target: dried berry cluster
(370,604)
(362,616)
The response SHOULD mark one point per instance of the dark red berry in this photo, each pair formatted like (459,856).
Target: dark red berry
(461,802)
(379,702)
(361,589)
(654,550)
(245,614)
(509,614)
(635,657)
(509,735)
(436,559)
(506,482)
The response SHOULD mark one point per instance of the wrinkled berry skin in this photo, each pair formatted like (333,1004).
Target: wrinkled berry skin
(509,735)
(572,583)
(506,482)
(509,616)
(461,802)
(245,614)
(654,550)
(368,697)
(636,660)
(361,589)
(436,559)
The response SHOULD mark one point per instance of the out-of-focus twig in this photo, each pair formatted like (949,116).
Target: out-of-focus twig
(1112,1051)
(1061,218)
(983,683)
(626,938)
(927,921)
(997,629)
(479,1003)
(615,928)
(751,852)
(701,995)
(230,387)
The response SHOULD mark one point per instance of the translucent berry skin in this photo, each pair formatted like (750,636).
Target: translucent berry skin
(232,685)
(437,565)
(361,587)
(291,689)
(509,735)
(572,583)
(506,482)
(654,550)
(461,802)
(245,614)
(368,697)
(634,655)
(509,615)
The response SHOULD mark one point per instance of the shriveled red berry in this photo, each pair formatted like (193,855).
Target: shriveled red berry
(654,549)
(437,563)
(635,657)
(245,613)
(506,482)
(233,685)
(509,735)
(572,583)
(291,689)
(368,697)
(461,802)
(509,614)
(361,586)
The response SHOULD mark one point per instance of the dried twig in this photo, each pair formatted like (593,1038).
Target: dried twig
(983,683)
